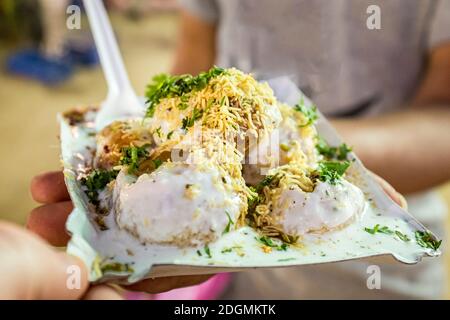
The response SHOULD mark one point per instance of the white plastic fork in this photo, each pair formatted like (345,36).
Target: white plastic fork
(121,101)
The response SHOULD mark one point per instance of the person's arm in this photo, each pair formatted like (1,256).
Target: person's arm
(410,148)
(196,46)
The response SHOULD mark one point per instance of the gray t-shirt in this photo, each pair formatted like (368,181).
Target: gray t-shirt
(327,47)
(348,70)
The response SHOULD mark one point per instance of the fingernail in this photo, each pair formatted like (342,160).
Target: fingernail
(403,202)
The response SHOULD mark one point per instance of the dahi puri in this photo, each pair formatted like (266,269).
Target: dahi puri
(209,188)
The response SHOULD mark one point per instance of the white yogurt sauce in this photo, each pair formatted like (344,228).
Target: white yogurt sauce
(328,207)
(178,204)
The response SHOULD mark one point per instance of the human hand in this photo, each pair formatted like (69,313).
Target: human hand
(49,222)
(31,269)
(390,191)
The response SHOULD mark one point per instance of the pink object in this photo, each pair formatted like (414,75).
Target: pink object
(208,290)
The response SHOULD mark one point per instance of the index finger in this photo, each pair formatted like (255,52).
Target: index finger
(163,284)
(49,187)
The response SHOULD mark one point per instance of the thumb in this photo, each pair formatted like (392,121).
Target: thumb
(31,269)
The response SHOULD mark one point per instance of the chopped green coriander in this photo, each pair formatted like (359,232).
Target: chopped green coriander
(253,201)
(343,151)
(183,105)
(237,249)
(199,253)
(158,89)
(266,241)
(340,152)
(269,242)
(372,230)
(222,101)
(426,240)
(309,113)
(332,171)
(379,229)
(97,181)
(169,135)
(167,86)
(324,148)
(189,121)
(132,157)
(158,132)
(265,182)
(207,251)
(402,236)
(209,104)
(157,163)
(385,230)
(229,224)
(184,98)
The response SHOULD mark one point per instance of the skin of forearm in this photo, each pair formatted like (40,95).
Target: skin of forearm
(190,64)
(196,46)
(410,149)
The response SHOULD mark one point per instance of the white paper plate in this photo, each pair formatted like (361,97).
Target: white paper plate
(103,251)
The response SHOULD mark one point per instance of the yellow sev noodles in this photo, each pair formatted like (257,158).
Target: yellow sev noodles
(288,176)
(232,104)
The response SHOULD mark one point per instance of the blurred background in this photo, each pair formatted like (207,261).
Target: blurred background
(146,31)
(29,106)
